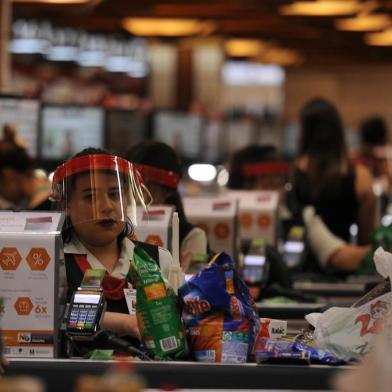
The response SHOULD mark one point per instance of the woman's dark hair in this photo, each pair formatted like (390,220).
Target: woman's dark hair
(374,131)
(246,155)
(323,142)
(156,154)
(162,156)
(68,228)
(16,158)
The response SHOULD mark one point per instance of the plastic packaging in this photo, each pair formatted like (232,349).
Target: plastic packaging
(219,313)
(349,332)
(157,314)
(295,351)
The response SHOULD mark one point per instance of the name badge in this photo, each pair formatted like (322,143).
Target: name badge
(130,297)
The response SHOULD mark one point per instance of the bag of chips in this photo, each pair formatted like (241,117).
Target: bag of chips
(156,309)
(219,313)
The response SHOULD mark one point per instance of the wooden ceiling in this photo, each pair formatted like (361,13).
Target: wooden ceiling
(315,38)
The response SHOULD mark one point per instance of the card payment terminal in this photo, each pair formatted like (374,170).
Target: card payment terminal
(87,305)
(85,311)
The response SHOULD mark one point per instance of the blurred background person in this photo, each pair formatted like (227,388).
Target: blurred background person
(10,138)
(257,167)
(325,178)
(372,152)
(161,171)
(375,154)
(19,183)
(340,193)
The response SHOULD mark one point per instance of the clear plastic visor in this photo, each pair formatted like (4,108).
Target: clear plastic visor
(97,188)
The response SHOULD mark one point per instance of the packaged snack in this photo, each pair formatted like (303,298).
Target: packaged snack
(293,350)
(272,328)
(157,314)
(219,313)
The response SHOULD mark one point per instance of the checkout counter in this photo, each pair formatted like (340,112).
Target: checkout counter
(60,375)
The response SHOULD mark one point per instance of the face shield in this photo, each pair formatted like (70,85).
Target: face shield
(268,175)
(101,188)
(155,175)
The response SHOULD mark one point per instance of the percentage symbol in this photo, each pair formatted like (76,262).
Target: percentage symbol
(38,260)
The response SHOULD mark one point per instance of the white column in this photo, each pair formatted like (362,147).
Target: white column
(5,58)
(163,75)
(208,58)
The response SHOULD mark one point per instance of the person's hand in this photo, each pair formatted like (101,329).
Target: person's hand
(121,324)
(132,327)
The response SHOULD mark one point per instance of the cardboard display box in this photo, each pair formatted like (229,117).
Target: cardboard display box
(154,225)
(258,214)
(217,217)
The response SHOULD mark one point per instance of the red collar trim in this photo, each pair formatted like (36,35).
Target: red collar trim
(113,288)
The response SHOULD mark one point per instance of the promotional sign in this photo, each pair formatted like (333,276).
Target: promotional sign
(258,214)
(29,260)
(217,217)
(154,225)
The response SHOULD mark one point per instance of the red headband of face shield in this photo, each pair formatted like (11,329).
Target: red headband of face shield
(93,162)
(266,168)
(157,175)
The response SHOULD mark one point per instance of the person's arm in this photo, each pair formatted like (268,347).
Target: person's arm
(331,250)
(367,204)
(120,323)
(348,257)
(195,243)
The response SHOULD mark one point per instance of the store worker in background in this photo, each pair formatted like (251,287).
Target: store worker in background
(324,177)
(97,190)
(20,185)
(257,167)
(373,150)
(376,154)
(160,168)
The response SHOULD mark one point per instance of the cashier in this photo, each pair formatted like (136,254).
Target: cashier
(95,189)
(160,168)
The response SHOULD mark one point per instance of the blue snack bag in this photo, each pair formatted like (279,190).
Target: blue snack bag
(286,348)
(219,313)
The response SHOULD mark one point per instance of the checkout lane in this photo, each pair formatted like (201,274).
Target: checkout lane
(60,375)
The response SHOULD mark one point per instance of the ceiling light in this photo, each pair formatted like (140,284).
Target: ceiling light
(281,56)
(368,22)
(240,73)
(62,53)
(27,46)
(379,39)
(202,172)
(57,1)
(321,8)
(166,27)
(243,47)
